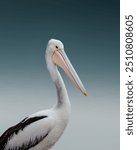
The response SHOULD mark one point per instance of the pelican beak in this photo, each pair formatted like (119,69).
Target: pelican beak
(60,59)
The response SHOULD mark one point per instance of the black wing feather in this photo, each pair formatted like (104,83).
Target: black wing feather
(6,136)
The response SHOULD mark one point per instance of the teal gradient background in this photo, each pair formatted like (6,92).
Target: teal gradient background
(90,32)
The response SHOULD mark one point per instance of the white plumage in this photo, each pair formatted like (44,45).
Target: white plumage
(41,130)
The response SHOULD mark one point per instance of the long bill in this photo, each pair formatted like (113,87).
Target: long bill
(60,58)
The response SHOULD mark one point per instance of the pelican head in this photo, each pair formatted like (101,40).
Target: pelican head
(56,55)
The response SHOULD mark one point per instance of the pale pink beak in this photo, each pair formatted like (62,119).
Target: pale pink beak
(60,58)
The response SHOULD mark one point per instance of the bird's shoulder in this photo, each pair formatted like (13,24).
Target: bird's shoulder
(21,129)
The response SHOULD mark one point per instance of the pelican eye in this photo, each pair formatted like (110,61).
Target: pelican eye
(57,47)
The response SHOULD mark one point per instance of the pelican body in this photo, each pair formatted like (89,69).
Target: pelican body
(41,130)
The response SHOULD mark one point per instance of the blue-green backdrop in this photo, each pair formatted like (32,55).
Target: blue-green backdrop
(89,30)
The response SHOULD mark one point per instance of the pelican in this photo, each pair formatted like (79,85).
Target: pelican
(41,130)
